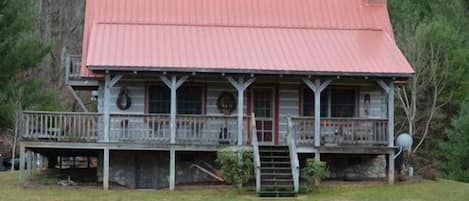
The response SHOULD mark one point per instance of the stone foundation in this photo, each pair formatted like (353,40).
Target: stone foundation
(363,166)
(150,169)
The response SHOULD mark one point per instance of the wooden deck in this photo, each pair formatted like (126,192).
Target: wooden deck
(193,132)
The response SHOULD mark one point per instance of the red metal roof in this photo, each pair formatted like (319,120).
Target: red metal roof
(318,36)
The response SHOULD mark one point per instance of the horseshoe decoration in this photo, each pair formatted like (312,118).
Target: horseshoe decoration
(123,101)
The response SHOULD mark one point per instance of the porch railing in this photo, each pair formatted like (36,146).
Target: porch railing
(61,126)
(341,131)
(303,129)
(207,129)
(190,129)
(130,128)
(354,131)
(73,67)
(140,128)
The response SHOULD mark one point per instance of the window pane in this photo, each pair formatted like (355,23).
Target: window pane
(189,100)
(263,102)
(308,102)
(158,99)
(343,102)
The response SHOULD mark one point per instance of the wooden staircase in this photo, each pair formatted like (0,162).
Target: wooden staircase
(275,172)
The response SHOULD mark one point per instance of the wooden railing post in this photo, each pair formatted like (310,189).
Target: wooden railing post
(317,87)
(106,168)
(240,86)
(108,84)
(173,84)
(389,89)
(295,165)
(255,150)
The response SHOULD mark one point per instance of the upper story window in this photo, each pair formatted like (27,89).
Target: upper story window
(335,102)
(189,99)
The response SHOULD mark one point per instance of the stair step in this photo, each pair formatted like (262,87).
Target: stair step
(273,146)
(276,162)
(266,187)
(276,174)
(273,151)
(281,157)
(275,168)
(277,180)
(277,194)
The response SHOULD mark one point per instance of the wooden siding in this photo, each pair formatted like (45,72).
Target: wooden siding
(289,106)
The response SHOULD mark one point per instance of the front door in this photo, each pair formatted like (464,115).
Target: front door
(263,108)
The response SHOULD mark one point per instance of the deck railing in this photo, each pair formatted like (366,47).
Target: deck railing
(130,128)
(206,129)
(139,128)
(354,131)
(341,131)
(190,129)
(61,126)
(73,67)
(303,129)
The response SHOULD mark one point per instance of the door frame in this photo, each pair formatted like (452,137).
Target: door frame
(275,109)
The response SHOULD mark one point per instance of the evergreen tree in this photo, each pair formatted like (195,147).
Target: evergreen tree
(21,49)
(456,148)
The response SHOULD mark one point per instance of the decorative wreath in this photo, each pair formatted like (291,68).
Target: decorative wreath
(123,101)
(226,103)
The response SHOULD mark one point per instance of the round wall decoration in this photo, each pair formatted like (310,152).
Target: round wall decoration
(226,103)
(123,101)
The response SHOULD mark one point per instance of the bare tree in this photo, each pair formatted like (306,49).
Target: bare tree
(429,83)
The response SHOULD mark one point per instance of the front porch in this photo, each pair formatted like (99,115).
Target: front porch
(208,130)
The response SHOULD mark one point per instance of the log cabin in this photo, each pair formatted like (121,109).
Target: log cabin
(175,81)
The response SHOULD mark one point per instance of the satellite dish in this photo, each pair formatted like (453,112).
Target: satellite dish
(404,141)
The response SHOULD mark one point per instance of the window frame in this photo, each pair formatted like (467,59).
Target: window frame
(356,89)
(203,86)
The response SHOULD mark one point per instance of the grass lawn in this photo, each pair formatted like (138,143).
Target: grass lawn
(11,189)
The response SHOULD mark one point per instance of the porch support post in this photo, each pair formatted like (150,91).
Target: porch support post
(172,168)
(389,89)
(108,84)
(22,161)
(240,86)
(29,163)
(173,83)
(391,170)
(106,169)
(317,87)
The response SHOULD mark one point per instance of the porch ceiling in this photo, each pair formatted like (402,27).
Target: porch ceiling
(241,49)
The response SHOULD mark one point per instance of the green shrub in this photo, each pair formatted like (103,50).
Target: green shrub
(236,165)
(456,150)
(314,171)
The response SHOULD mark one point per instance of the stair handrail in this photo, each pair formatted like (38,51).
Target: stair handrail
(255,151)
(295,165)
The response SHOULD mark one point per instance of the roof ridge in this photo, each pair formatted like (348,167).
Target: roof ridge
(239,26)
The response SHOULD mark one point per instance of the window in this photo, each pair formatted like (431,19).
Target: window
(189,99)
(158,99)
(343,102)
(308,103)
(335,102)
